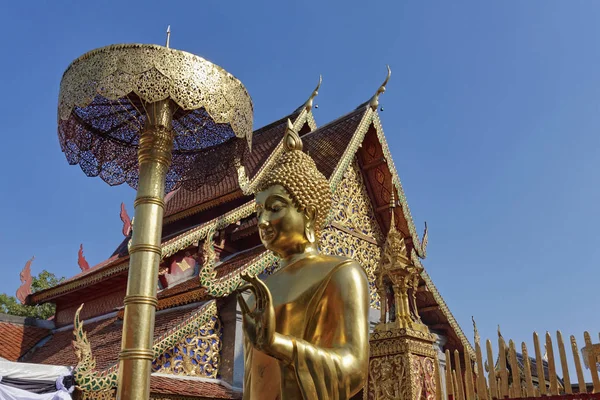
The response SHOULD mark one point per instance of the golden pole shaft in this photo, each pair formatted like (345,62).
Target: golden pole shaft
(154,156)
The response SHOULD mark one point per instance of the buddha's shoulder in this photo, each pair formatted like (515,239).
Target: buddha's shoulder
(329,264)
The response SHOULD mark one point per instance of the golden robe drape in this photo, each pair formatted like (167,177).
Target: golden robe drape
(328,323)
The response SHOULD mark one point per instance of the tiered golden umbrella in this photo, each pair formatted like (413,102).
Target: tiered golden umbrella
(150,116)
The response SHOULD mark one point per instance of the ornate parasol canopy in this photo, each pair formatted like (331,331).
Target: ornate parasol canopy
(102,110)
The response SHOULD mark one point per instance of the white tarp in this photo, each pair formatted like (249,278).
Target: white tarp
(11,393)
(40,372)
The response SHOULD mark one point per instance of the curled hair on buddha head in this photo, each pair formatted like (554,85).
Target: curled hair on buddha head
(297,172)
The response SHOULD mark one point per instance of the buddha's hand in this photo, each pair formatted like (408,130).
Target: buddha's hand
(259,323)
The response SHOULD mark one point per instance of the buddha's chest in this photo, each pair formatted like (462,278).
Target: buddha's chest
(293,298)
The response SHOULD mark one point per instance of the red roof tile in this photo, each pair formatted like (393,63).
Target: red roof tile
(105,340)
(190,387)
(17,339)
(238,260)
(181,287)
(327,144)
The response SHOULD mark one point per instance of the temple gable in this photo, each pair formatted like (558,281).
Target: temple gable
(354,231)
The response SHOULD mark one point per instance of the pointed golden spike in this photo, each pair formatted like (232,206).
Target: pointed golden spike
(374,102)
(291,139)
(455,386)
(449,386)
(539,363)
(503,371)
(578,369)
(309,103)
(551,366)
(392,208)
(514,368)
(475,331)
(469,389)
(527,367)
(563,363)
(458,369)
(481,384)
(491,366)
(591,362)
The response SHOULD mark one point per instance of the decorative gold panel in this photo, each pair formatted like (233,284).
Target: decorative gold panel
(197,354)
(352,211)
(388,378)
(352,205)
(402,365)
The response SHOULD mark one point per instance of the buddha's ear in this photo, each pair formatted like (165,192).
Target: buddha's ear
(310,217)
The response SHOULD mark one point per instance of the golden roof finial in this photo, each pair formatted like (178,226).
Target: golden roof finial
(499,333)
(374,102)
(309,103)
(168,35)
(476,332)
(291,139)
(392,207)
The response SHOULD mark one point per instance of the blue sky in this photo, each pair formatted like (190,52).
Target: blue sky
(492,115)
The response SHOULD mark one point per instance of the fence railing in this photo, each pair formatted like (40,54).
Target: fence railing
(509,374)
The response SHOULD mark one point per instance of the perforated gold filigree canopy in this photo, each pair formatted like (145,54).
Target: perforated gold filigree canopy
(101,112)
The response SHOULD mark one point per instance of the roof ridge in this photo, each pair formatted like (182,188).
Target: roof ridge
(334,122)
(277,122)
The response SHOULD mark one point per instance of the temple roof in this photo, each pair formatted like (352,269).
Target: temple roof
(105,339)
(19,335)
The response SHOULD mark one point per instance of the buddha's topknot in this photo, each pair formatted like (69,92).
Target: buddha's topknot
(297,172)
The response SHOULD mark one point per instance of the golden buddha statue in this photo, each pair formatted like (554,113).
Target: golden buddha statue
(306,332)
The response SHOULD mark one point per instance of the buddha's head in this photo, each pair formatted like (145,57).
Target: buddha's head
(292,201)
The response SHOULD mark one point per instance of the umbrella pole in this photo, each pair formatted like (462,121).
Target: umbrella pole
(154,157)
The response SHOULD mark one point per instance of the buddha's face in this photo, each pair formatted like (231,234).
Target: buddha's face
(281,226)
